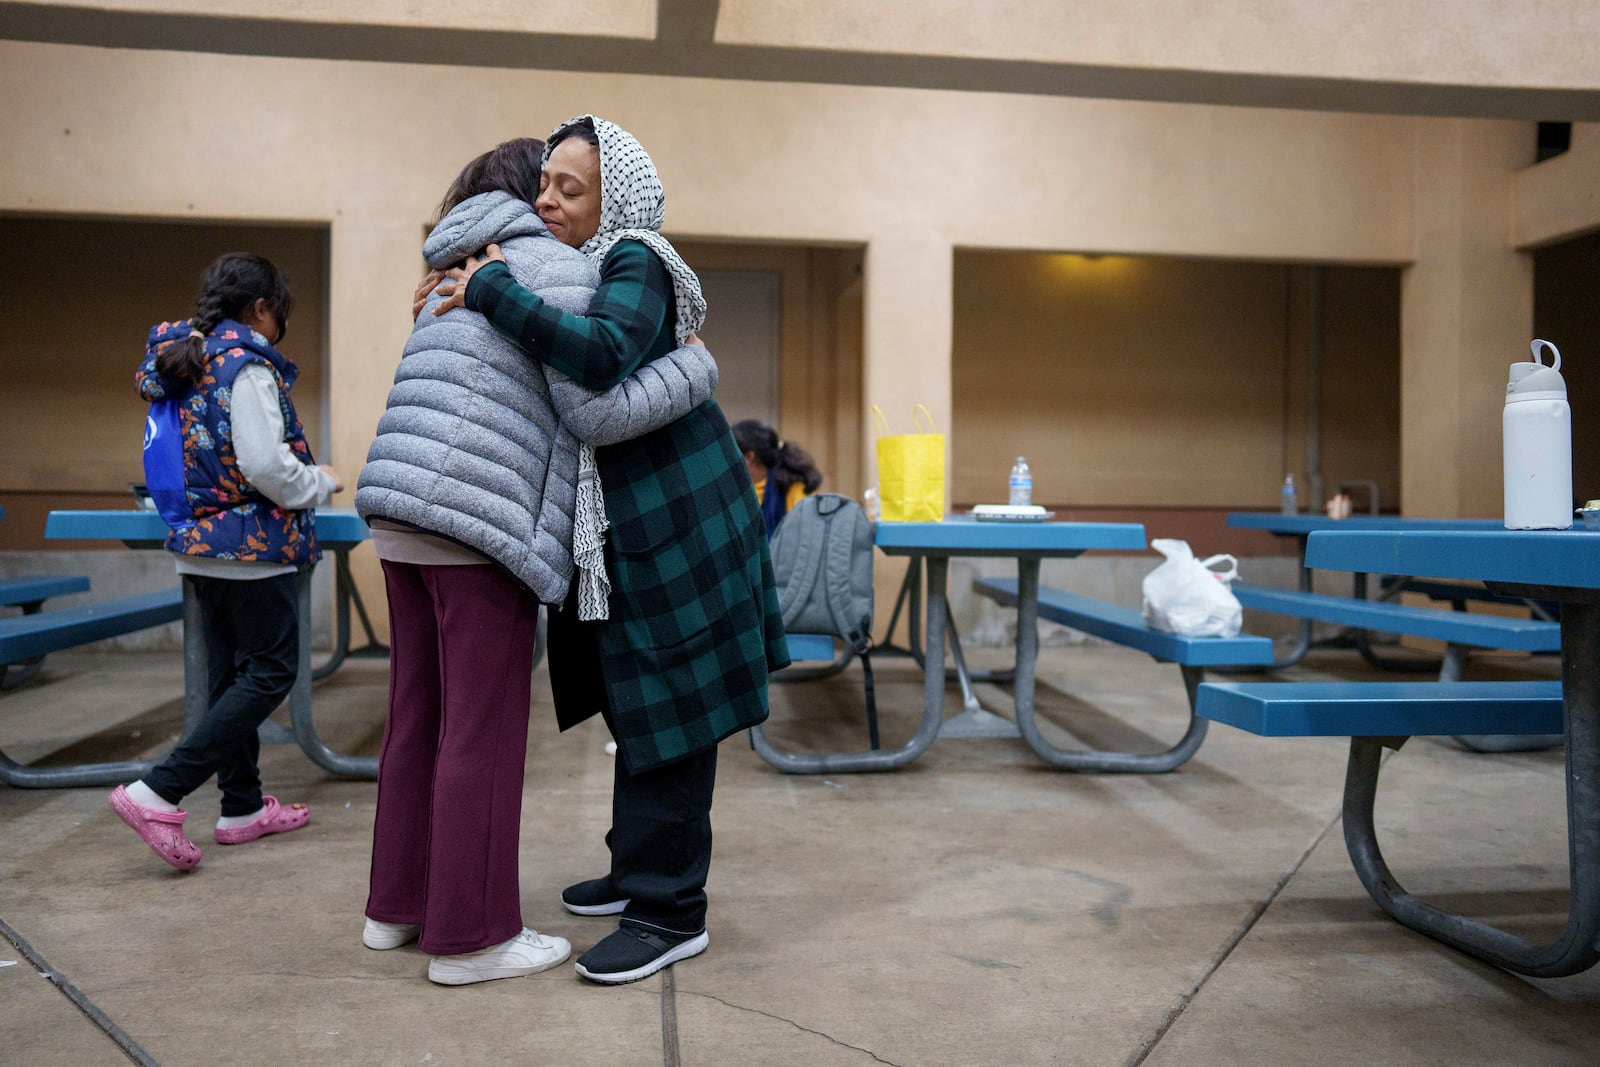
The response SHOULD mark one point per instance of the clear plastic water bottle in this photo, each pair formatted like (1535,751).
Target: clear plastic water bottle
(1537,423)
(1021,484)
(1291,500)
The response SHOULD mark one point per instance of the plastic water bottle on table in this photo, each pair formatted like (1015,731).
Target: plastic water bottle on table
(1021,484)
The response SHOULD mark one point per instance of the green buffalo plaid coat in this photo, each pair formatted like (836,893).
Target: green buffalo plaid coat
(694,626)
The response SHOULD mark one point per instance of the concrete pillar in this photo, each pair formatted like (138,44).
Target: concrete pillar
(906,336)
(1466,315)
(375,263)
(906,354)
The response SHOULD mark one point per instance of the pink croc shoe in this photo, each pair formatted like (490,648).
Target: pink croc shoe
(161,830)
(274,819)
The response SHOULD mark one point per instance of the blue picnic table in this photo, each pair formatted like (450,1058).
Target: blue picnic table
(339,531)
(930,546)
(1302,526)
(1559,565)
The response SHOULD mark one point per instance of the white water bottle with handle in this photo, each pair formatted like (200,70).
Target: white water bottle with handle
(1537,427)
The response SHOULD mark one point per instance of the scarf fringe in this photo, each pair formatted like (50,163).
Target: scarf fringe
(589,539)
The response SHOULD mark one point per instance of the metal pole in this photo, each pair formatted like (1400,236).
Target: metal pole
(1314,495)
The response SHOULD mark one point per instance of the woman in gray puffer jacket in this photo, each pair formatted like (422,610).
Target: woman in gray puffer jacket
(470,488)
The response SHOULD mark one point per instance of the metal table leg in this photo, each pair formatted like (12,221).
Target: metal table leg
(196,668)
(21,776)
(1302,642)
(1454,656)
(932,705)
(345,596)
(16,675)
(305,730)
(974,720)
(197,672)
(1079,759)
(1363,643)
(1578,947)
(911,593)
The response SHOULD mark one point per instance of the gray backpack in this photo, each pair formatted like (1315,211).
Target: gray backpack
(822,558)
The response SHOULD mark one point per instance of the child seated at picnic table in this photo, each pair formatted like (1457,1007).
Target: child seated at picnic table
(250,484)
(782,472)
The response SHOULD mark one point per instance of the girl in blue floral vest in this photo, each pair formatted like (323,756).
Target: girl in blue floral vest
(250,484)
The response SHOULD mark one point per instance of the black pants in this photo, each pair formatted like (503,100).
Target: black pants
(660,841)
(252,631)
(660,837)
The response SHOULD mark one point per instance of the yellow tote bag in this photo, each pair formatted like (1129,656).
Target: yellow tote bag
(910,471)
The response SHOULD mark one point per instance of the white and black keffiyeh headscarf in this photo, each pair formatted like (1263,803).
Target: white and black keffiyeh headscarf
(633,207)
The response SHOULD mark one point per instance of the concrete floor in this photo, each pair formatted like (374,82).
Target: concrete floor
(974,908)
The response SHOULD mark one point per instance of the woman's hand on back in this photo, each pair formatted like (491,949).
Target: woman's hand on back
(419,297)
(454,286)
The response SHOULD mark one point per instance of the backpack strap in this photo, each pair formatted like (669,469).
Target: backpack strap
(841,548)
(807,561)
(872,700)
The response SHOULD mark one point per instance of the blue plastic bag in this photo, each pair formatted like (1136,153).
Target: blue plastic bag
(163,463)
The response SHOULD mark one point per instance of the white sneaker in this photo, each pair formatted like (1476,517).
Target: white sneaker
(388,935)
(528,953)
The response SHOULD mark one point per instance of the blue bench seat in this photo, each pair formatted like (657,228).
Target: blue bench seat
(1383,709)
(1452,627)
(25,638)
(1379,715)
(1458,593)
(810,647)
(29,593)
(1124,626)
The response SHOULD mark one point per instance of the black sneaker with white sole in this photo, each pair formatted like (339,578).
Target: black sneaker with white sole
(632,953)
(597,896)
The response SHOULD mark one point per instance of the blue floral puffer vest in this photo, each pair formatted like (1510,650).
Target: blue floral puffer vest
(233,520)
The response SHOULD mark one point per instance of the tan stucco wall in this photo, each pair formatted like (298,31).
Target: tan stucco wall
(1560,198)
(905,176)
(1469,42)
(71,421)
(609,18)
(367,148)
(1433,46)
(1466,315)
(1160,382)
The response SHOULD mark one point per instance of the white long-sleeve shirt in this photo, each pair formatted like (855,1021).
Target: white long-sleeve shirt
(268,464)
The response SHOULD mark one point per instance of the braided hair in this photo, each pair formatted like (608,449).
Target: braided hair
(786,462)
(231,285)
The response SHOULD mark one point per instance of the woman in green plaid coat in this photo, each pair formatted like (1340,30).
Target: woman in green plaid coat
(692,626)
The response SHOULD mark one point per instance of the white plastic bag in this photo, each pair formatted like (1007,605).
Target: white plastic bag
(1185,596)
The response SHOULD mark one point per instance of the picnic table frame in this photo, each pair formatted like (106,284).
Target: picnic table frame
(930,546)
(1545,565)
(1302,526)
(339,531)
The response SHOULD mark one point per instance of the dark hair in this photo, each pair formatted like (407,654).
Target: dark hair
(786,462)
(231,284)
(583,129)
(511,167)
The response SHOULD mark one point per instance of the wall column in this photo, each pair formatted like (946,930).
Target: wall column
(906,337)
(375,263)
(1466,314)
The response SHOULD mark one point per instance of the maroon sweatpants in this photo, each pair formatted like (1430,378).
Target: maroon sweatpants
(444,842)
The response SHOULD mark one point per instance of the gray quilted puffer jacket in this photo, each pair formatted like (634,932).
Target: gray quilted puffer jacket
(479,443)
